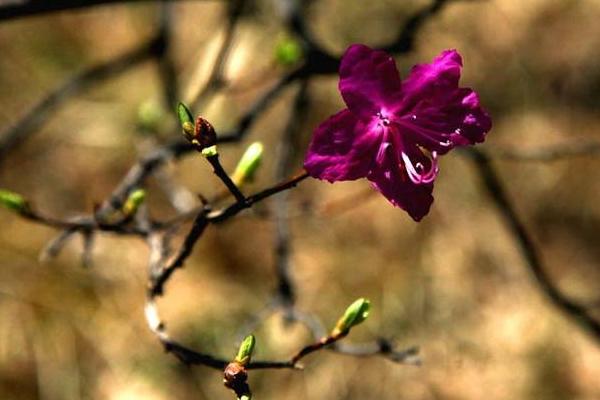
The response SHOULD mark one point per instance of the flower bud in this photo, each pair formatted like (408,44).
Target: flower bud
(248,164)
(204,134)
(186,119)
(13,201)
(245,351)
(354,315)
(134,201)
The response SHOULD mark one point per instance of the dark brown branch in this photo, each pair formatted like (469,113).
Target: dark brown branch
(221,216)
(497,192)
(202,220)
(224,177)
(158,279)
(311,348)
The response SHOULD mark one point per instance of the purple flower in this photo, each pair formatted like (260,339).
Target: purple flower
(393,131)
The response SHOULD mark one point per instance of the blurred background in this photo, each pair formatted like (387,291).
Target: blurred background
(455,284)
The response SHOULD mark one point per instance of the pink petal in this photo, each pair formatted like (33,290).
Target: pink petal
(369,81)
(436,113)
(391,180)
(428,81)
(342,148)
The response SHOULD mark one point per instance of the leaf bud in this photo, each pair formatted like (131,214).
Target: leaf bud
(245,352)
(186,119)
(248,164)
(13,201)
(134,201)
(356,313)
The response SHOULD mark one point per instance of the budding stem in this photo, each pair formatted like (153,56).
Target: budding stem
(220,172)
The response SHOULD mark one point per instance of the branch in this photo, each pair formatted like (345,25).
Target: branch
(138,174)
(38,114)
(159,278)
(166,66)
(405,40)
(547,153)
(23,8)
(527,247)
(285,285)
(215,77)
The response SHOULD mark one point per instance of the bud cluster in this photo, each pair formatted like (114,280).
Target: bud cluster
(201,133)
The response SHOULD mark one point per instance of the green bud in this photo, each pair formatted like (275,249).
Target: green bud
(354,315)
(245,351)
(13,201)
(186,119)
(134,201)
(248,164)
(288,51)
(150,114)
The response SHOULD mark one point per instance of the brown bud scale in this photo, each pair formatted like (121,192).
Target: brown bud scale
(204,133)
(235,376)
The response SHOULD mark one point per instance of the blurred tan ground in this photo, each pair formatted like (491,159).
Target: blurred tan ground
(454,284)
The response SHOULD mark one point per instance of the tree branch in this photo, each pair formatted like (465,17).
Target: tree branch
(527,247)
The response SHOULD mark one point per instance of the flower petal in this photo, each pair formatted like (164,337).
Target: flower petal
(342,148)
(429,81)
(391,180)
(436,113)
(369,81)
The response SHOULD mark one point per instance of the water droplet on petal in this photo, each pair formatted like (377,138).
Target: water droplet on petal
(413,117)
(458,131)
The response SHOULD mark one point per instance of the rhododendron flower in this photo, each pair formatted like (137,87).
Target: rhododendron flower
(393,131)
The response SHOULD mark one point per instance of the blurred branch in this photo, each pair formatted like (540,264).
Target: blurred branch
(39,114)
(382,347)
(497,192)
(22,8)
(215,78)
(83,224)
(137,174)
(285,287)
(547,153)
(405,40)
(166,66)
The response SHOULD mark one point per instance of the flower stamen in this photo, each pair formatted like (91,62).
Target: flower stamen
(417,172)
(385,121)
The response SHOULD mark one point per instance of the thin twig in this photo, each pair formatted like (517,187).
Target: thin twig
(224,177)
(158,281)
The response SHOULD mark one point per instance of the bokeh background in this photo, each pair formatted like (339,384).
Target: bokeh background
(455,284)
